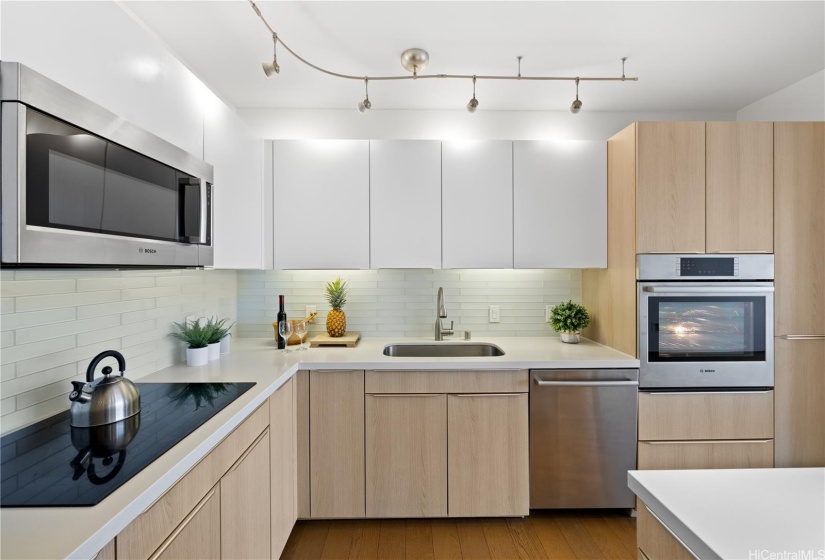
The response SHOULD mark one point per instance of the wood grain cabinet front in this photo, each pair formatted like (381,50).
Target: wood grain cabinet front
(656,541)
(283,459)
(198,537)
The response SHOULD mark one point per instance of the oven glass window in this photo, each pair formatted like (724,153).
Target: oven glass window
(693,329)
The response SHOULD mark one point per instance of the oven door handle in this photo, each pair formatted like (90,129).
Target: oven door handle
(709,290)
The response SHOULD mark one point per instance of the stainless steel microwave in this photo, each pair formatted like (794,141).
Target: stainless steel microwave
(83,187)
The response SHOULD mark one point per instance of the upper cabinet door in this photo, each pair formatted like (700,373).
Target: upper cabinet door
(799,228)
(739,187)
(560,204)
(321,199)
(477,204)
(405,204)
(670,187)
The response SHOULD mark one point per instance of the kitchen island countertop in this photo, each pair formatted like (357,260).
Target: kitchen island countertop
(72,532)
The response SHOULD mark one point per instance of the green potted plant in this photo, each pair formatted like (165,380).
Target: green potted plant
(217,332)
(224,333)
(196,337)
(568,319)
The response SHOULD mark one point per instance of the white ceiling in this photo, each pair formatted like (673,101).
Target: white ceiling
(717,56)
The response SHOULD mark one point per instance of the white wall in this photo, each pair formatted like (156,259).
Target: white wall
(802,101)
(278,124)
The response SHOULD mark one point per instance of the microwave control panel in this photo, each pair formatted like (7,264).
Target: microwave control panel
(707,266)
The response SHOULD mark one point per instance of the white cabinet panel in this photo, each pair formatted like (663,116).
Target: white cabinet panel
(405,204)
(236,154)
(560,204)
(477,204)
(321,199)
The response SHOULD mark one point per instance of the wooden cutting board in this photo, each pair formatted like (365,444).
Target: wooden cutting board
(350,339)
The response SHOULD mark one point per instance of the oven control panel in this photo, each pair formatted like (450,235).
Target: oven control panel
(697,267)
(707,266)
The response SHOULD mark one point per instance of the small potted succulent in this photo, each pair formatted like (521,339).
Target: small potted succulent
(196,337)
(568,319)
(216,331)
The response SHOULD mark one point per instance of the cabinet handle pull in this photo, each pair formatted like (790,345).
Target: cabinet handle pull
(680,442)
(760,392)
(801,336)
(404,394)
(739,252)
(183,525)
(334,370)
(672,534)
(491,395)
(246,453)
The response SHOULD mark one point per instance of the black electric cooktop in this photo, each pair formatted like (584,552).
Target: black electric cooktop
(51,464)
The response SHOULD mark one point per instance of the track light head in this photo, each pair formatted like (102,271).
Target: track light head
(365,105)
(472,104)
(576,106)
(271,68)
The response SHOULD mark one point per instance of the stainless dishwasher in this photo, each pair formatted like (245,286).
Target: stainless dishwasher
(582,437)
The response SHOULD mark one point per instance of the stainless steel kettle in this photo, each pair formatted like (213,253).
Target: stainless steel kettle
(106,399)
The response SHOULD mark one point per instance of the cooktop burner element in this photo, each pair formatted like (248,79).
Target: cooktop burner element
(52,464)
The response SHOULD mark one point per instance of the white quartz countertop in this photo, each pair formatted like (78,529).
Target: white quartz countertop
(739,514)
(46,533)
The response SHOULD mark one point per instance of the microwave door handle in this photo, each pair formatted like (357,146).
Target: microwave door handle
(204,214)
(708,290)
(188,187)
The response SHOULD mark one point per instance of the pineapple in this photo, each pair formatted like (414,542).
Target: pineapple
(336,297)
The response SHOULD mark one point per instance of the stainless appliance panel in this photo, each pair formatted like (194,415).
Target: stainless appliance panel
(668,267)
(12,175)
(582,437)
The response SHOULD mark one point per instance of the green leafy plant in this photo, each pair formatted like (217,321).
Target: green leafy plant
(217,329)
(569,317)
(193,334)
(200,394)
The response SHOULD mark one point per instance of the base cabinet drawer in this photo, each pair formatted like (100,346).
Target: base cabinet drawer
(198,537)
(655,541)
(697,454)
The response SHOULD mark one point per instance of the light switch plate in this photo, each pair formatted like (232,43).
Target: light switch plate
(495,313)
(310,309)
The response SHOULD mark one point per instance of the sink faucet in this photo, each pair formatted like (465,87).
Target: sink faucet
(441,313)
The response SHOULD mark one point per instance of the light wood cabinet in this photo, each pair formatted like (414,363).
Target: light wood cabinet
(406,455)
(302,443)
(799,228)
(488,455)
(800,403)
(283,444)
(670,189)
(405,204)
(560,187)
(327,180)
(477,204)
(739,190)
(336,439)
(702,454)
(198,537)
(108,552)
(447,381)
(657,542)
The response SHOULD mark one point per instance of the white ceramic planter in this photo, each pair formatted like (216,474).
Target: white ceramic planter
(570,337)
(225,344)
(214,351)
(197,356)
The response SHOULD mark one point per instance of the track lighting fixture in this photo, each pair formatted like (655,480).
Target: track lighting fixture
(415,61)
(365,105)
(472,104)
(272,67)
(576,106)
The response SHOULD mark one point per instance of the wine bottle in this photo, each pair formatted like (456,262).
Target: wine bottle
(281,317)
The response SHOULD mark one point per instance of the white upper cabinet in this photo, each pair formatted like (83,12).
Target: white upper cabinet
(321,204)
(560,204)
(477,204)
(405,204)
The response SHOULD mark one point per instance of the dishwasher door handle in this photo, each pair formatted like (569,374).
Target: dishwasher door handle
(625,383)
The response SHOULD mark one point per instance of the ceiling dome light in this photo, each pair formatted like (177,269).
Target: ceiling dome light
(576,106)
(365,105)
(472,104)
(272,67)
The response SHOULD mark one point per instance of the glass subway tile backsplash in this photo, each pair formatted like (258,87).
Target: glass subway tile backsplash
(401,302)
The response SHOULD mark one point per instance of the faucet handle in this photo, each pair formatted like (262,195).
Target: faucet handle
(448,332)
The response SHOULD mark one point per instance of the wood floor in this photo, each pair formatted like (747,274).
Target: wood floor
(570,535)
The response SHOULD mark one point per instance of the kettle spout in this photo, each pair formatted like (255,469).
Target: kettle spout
(77,394)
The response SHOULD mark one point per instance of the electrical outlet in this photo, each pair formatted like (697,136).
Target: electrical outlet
(310,309)
(191,320)
(495,313)
(548,311)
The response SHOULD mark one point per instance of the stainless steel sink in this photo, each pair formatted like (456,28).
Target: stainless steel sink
(442,350)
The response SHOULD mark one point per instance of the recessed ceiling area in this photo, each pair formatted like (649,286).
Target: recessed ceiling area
(702,56)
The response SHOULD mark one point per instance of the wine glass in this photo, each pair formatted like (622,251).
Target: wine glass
(300,327)
(285,330)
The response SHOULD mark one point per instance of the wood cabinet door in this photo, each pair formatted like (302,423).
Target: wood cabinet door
(488,455)
(560,204)
(406,450)
(321,196)
(336,441)
(656,542)
(405,204)
(670,187)
(198,537)
(800,403)
(739,190)
(246,504)
(477,203)
(282,439)
(698,454)
(799,227)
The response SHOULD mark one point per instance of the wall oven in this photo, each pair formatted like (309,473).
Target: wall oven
(82,187)
(705,321)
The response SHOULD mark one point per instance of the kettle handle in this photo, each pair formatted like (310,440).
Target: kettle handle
(121,363)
